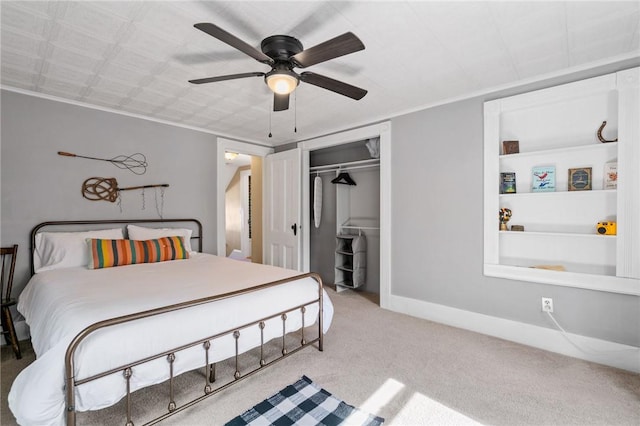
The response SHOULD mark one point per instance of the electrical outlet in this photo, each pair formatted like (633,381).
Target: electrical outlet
(547,304)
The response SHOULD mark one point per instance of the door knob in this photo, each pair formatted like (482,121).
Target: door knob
(295,229)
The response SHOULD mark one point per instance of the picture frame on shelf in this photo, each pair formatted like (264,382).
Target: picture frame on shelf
(508,183)
(580,179)
(611,175)
(510,147)
(543,179)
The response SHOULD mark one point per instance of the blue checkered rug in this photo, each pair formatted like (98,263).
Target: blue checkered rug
(304,403)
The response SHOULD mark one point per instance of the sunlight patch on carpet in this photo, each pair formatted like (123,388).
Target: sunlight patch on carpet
(421,409)
(382,396)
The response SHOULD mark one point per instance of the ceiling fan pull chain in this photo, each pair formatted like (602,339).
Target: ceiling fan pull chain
(270,112)
(295,112)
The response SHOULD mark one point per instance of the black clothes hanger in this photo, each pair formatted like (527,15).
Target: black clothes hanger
(344,178)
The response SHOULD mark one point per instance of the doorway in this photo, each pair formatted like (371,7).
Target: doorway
(238,205)
(252,211)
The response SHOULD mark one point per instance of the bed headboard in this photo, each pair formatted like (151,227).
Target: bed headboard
(87,225)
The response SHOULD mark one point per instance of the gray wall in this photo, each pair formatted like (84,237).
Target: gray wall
(39,185)
(437,231)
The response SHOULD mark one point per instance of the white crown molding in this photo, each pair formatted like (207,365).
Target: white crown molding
(524,82)
(634,59)
(125,113)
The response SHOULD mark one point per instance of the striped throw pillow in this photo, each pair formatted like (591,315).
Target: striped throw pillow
(108,253)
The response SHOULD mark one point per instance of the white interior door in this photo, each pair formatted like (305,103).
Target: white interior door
(282,209)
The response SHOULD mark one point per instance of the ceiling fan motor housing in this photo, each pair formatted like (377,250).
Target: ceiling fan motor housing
(281,47)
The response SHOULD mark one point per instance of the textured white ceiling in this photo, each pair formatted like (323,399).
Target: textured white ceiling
(136,56)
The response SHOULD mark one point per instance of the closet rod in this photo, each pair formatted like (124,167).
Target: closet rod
(359,227)
(343,169)
(343,165)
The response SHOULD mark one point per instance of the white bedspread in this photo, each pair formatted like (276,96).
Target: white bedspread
(58,304)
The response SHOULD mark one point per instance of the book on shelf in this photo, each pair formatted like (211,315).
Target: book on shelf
(508,183)
(580,179)
(543,179)
(611,175)
(510,147)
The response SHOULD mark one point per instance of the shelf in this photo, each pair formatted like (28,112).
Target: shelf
(569,279)
(346,237)
(517,234)
(344,268)
(560,194)
(564,150)
(345,284)
(572,266)
(557,127)
(346,253)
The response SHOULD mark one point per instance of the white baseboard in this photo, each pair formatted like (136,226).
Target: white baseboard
(596,350)
(22,330)
(600,351)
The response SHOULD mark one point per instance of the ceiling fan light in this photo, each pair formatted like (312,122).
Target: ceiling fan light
(282,82)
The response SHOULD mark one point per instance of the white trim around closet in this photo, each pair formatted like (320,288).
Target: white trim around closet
(383,131)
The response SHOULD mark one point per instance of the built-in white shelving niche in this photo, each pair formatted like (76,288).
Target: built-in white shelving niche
(558,127)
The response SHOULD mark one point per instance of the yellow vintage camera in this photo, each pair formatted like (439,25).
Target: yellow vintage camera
(606,228)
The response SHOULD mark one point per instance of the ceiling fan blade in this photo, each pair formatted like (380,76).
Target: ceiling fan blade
(226,77)
(339,46)
(280,102)
(233,41)
(333,85)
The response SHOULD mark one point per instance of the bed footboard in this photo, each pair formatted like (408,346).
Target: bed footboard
(127,370)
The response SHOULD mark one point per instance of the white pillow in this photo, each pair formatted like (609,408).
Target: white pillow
(55,250)
(142,233)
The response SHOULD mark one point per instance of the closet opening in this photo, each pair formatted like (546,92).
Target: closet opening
(344,236)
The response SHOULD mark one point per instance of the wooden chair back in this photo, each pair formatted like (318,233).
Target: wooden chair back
(8,255)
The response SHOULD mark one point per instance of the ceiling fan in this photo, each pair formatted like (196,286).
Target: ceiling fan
(284,53)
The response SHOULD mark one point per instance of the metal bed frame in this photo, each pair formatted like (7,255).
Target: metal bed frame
(71,381)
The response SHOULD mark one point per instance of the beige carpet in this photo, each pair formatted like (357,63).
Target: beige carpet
(411,372)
